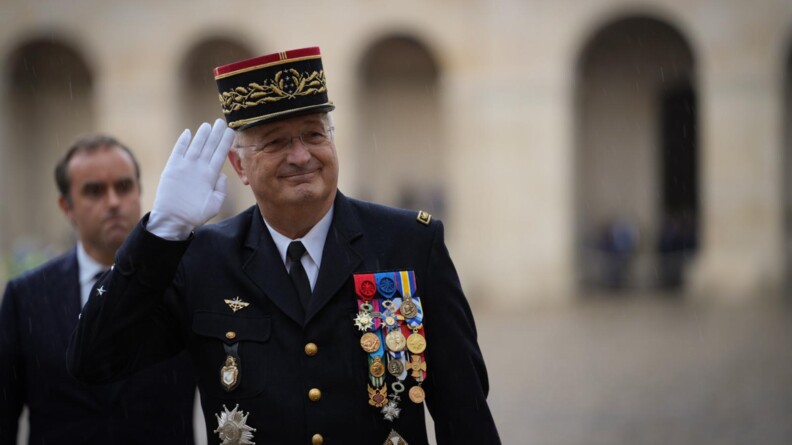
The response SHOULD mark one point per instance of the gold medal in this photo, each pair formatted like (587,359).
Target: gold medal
(395,367)
(395,341)
(378,397)
(408,308)
(416,343)
(229,374)
(417,394)
(377,369)
(416,365)
(370,342)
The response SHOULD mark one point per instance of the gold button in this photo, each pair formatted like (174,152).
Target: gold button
(311,349)
(230,335)
(317,439)
(314,394)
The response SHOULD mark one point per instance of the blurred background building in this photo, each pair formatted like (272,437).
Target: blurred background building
(571,147)
(566,144)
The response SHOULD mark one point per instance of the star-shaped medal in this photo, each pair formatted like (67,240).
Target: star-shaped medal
(101,290)
(391,411)
(363,321)
(232,427)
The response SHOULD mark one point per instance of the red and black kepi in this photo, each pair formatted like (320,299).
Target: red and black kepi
(272,87)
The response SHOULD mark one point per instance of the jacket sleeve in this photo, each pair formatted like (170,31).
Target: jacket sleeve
(457,383)
(11,367)
(126,324)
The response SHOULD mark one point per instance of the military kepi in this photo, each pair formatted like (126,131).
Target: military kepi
(272,87)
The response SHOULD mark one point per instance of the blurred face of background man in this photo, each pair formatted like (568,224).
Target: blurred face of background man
(103,199)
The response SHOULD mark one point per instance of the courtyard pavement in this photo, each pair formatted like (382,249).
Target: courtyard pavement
(641,370)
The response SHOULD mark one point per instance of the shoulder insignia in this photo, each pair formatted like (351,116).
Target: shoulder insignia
(424,217)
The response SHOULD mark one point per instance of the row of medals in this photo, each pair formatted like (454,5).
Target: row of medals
(392,319)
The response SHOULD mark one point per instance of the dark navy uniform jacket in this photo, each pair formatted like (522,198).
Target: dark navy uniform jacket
(165,296)
(38,315)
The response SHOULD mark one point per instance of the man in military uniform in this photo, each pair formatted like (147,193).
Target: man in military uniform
(311,318)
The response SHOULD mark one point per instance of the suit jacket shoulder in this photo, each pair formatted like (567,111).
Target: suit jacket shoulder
(53,272)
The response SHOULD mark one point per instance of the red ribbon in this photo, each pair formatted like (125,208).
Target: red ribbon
(365,286)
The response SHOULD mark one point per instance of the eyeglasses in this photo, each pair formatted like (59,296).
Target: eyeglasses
(312,137)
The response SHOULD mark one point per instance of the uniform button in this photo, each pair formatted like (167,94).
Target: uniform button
(317,439)
(230,335)
(311,349)
(314,394)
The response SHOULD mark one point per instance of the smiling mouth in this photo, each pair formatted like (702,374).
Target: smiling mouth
(299,175)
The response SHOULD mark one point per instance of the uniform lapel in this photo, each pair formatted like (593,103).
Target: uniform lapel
(64,294)
(66,297)
(339,257)
(265,268)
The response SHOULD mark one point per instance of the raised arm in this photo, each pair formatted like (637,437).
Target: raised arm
(131,319)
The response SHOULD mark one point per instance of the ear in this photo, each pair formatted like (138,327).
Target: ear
(66,208)
(236,162)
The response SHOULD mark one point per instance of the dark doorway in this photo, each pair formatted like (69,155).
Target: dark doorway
(636,161)
(678,233)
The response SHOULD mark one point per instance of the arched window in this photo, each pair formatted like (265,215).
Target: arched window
(401,141)
(200,103)
(49,103)
(636,157)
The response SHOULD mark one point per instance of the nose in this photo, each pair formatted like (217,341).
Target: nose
(113,200)
(298,152)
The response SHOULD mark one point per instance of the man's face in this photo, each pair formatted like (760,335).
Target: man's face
(295,172)
(105,198)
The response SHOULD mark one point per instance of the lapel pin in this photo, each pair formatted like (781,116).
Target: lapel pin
(236,304)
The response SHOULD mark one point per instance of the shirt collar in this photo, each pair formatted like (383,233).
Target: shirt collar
(87,266)
(313,241)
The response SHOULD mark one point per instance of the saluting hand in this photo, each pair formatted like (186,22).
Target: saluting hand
(191,188)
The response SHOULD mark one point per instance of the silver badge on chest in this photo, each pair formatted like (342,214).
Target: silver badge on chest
(232,427)
(394,438)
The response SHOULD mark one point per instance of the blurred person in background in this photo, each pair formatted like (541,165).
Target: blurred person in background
(311,318)
(99,184)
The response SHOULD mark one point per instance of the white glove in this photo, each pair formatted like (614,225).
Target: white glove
(191,188)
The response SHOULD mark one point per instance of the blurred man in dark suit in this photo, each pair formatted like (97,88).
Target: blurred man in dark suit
(99,184)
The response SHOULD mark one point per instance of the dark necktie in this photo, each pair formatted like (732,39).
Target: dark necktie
(297,273)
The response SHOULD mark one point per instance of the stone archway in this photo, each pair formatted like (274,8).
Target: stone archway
(49,104)
(636,155)
(401,141)
(200,103)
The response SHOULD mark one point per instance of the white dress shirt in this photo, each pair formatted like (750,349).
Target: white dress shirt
(88,268)
(313,241)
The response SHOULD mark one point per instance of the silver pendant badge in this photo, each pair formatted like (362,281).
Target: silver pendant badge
(394,438)
(229,373)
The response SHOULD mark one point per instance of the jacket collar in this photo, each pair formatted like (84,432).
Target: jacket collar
(339,259)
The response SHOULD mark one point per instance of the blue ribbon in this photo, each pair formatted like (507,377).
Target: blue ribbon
(386,284)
